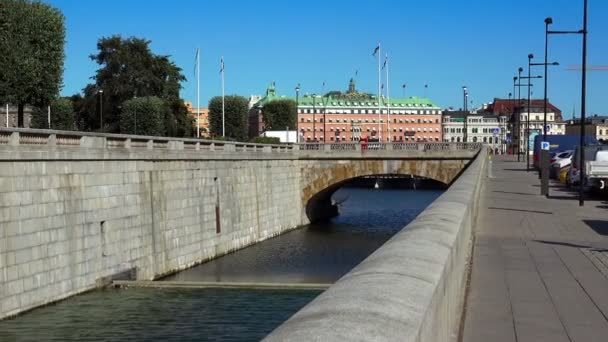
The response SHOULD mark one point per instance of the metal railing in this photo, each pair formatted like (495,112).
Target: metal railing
(73,139)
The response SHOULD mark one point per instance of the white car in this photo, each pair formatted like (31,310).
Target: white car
(562,159)
(558,162)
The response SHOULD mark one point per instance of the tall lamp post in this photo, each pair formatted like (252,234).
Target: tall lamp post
(530,56)
(314,130)
(503,130)
(466,117)
(297,104)
(583,31)
(518,117)
(513,117)
(100,92)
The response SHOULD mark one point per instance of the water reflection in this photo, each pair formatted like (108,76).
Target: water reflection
(321,253)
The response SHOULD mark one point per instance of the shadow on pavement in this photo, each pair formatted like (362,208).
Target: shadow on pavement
(561,243)
(515,193)
(600,227)
(523,210)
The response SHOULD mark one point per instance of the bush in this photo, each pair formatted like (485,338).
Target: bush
(266,140)
(62,116)
(143,116)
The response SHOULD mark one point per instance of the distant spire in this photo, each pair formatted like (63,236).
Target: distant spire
(573,111)
(352,87)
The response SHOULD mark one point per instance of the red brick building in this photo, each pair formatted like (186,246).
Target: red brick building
(346,117)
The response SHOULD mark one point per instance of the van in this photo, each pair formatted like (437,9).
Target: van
(558,143)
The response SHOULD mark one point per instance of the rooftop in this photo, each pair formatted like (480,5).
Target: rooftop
(352,98)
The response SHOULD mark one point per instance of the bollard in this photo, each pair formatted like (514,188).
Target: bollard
(490,174)
(544,173)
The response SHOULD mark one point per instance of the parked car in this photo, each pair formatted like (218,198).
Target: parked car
(596,170)
(559,161)
(558,143)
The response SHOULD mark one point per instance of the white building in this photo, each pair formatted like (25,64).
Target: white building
(480,127)
(535,126)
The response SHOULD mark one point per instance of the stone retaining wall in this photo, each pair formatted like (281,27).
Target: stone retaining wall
(69,226)
(411,289)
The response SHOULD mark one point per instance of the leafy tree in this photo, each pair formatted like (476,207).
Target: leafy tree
(177,121)
(236,108)
(129,69)
(144,116)
(279,114)
(32,38)
(62,115)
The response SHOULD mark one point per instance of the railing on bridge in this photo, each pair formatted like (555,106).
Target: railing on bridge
(38,137)
(363,147)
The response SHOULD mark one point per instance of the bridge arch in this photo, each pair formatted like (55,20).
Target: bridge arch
(320,180)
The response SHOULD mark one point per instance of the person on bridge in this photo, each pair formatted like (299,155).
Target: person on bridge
(363,141)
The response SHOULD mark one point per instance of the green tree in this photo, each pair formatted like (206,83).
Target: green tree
(62,115)
(279,114)
(129,69)
(236,108)
(144,116)
(32,38)
(177,121)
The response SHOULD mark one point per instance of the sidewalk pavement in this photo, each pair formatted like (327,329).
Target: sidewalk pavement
(540,265)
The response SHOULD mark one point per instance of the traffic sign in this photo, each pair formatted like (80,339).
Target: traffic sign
(495,131)
(544,145)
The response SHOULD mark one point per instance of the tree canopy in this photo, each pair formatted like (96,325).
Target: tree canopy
(129,69)
(236,108)
(32,39)
(279,114)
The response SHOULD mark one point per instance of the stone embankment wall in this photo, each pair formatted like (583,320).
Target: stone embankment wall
(411,289)
(67,226)
(80,209)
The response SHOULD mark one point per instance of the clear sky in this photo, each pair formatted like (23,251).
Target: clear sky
(445,44)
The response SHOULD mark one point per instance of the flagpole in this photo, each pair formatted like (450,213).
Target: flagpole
(198,94)
(223,103)
(388,102)
(379,95)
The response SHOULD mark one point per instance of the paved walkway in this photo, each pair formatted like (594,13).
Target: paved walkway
(540,266)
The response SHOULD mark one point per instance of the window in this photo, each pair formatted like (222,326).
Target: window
(321,120)
(485,139)
(302,120)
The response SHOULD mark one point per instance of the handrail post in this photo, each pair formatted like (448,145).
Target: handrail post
(52,141)
(14,139)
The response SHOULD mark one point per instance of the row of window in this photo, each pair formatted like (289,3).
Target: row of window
(472,130)
(487,140)
(368,111)
(373,120)
(395,139)
(360,129)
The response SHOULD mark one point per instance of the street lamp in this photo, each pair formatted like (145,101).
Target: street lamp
(583,31)
(135,105)
(100,92)
(530,57)
(297,104)
(518,118)
(466,117)
(314,130)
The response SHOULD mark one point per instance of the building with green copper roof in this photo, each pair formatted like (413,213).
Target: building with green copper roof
(348,116)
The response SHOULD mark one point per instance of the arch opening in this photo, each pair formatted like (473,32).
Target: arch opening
(322,206)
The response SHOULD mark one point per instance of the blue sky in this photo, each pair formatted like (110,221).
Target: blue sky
(445,44)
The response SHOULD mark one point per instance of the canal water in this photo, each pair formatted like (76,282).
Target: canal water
(319,253)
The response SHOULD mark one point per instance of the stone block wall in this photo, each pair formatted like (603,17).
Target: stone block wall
(69,226)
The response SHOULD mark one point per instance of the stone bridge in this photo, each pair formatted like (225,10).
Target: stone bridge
(80,209)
